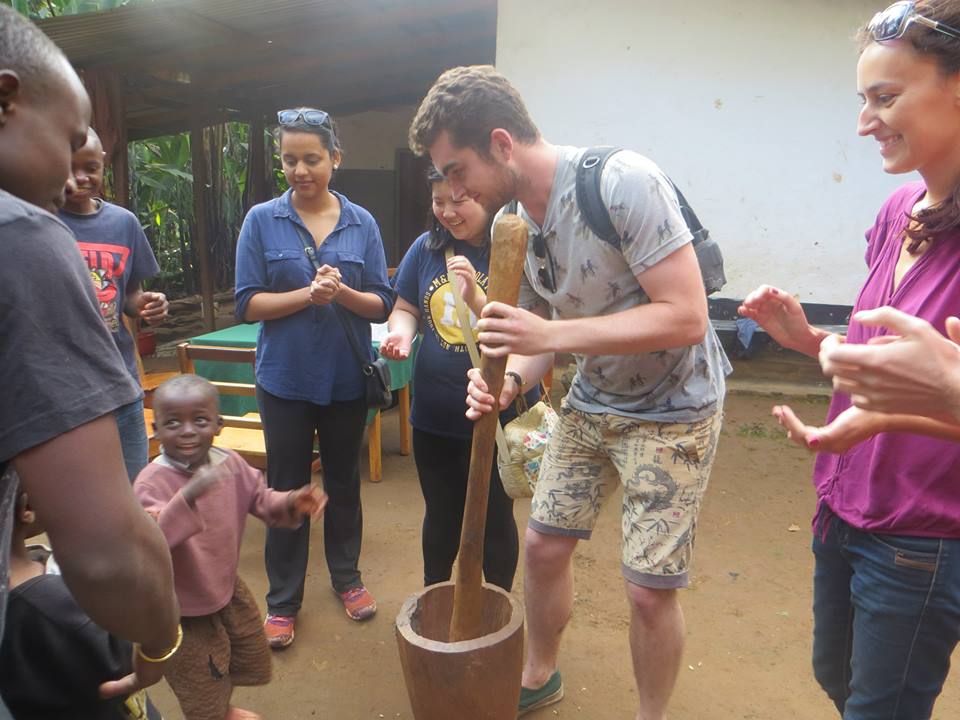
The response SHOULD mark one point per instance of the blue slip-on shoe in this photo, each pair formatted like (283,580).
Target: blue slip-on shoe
(550,693)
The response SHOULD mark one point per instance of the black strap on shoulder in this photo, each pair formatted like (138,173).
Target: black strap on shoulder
(592,207)
(311,252)
(694,225)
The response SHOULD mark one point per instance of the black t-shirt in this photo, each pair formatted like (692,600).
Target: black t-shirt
(54,658)
(59,367)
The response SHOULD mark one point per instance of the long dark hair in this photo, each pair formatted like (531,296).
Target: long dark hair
(932,222)
(440,237)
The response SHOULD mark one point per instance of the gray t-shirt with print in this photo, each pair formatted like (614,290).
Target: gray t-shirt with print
(594,278)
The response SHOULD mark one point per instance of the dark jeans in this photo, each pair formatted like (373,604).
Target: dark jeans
(886,619)
(443,464)
(289,427)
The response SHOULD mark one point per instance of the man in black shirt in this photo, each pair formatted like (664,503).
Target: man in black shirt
(60,372)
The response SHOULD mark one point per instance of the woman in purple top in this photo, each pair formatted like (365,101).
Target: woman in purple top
(887,528)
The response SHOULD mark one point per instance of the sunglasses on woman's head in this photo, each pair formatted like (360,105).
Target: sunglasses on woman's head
(318,118)
(892,23)
(545,273)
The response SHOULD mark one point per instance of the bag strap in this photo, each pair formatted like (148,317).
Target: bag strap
(589,199)
(595,211)
(311,252)
(471,343)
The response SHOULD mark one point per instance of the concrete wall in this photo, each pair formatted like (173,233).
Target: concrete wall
(750,106)
(370,139)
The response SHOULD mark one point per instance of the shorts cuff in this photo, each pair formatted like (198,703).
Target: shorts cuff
(565,532)
(653,581)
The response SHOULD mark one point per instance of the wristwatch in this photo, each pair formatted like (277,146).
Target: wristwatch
(516,378)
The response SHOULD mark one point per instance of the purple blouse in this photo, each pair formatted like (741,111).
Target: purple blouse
(899,483)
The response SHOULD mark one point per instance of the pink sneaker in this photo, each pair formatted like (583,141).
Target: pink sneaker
(279,630)
(358,603)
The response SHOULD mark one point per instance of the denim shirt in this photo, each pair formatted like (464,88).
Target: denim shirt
(306,355)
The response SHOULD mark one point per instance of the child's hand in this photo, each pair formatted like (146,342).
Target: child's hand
(202,482)
(144,675)
(153,307)
(850,427)
(308,500)
(466,280)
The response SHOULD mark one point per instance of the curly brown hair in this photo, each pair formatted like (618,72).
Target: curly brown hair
(468,103)
(932,222)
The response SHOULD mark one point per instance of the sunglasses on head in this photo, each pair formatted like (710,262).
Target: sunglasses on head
(318,118)
(545,273)
(892,23)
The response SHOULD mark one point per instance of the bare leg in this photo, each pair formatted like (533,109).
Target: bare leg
(548,600)
(657,632)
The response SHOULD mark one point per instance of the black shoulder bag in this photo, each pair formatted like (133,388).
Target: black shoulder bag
(376,374)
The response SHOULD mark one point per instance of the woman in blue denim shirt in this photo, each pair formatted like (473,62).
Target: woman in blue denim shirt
(309,382)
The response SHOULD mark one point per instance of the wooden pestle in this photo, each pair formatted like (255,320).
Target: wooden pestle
(508,249)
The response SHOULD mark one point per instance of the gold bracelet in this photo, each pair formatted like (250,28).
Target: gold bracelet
(169,654)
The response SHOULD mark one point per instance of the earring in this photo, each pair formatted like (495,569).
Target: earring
(336,167)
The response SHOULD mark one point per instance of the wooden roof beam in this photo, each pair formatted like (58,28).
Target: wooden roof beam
(357,23)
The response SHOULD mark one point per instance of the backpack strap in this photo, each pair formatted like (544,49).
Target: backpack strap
(696,228)
(589,199)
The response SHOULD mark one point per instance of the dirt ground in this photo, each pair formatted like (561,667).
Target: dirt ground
(748,607)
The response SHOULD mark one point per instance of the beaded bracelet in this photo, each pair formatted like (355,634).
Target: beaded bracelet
(169,654)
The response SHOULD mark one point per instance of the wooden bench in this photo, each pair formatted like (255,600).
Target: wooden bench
(244,434)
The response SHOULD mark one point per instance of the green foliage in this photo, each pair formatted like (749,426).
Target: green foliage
(42,9)
(161,182)
(161,195)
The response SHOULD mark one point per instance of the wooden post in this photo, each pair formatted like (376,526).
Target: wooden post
(109,108)
(374,441)
(507,251)
(403,411)
(257,180)
(121,172)
(201,214)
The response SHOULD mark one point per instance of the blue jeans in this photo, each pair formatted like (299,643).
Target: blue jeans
(133,437)
(886,614)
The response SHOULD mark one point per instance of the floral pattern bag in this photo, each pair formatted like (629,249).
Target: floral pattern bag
(521,443)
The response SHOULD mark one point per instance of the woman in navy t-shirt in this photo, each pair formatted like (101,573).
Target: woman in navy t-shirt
(309,383)
(425,283)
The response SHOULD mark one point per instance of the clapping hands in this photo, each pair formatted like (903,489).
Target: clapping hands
(325,285)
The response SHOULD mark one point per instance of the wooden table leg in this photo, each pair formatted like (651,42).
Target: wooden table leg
(403,408)
(373,443)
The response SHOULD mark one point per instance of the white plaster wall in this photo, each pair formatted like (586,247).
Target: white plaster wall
(370,139)
(750,106)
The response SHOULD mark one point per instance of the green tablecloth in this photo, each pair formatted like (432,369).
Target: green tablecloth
(245,335)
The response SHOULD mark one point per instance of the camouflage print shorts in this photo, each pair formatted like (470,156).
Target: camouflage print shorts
(664,469)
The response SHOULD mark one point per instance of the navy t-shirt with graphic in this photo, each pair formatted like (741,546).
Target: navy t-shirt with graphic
(440,371)
(116,250)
